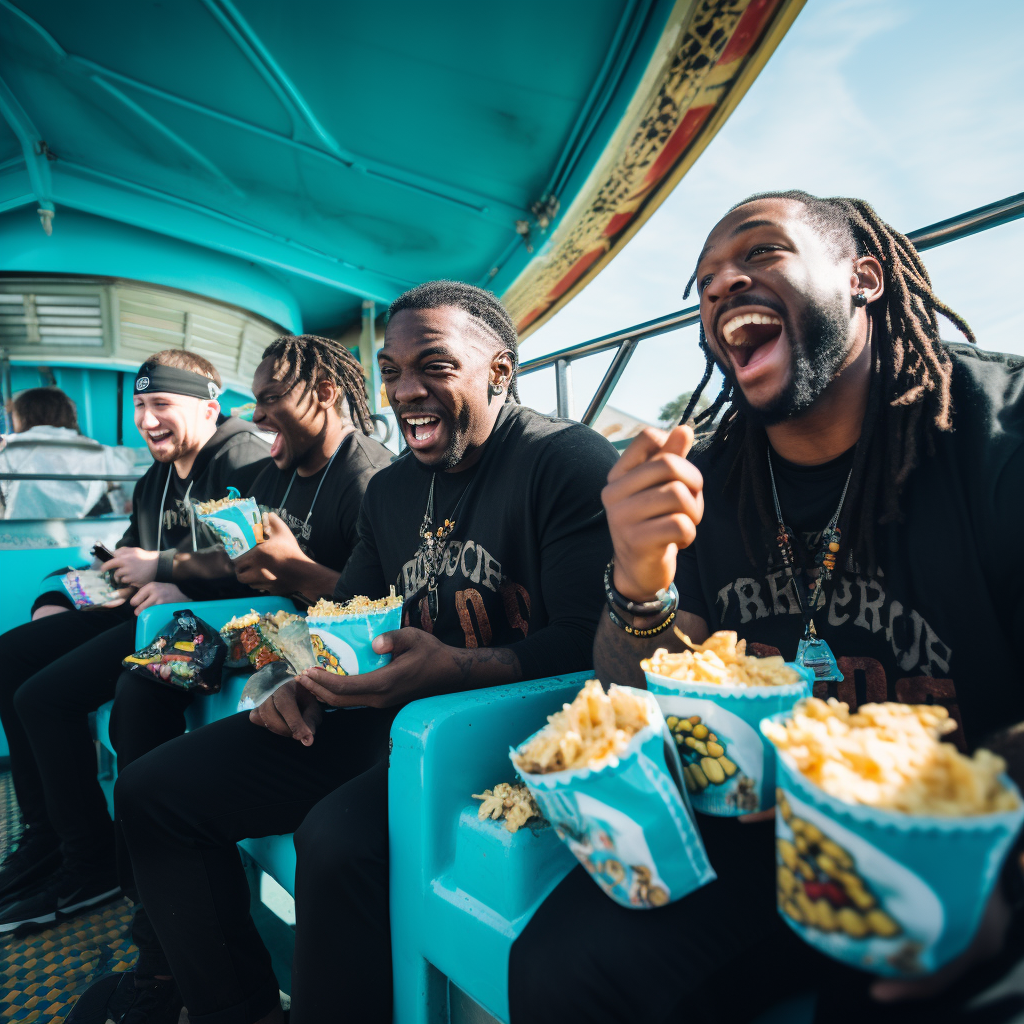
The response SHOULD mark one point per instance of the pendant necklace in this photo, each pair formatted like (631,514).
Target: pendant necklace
(812,652)
(434,545)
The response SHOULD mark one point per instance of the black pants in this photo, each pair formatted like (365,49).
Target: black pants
(185,805)
(53,672)
(722,953)
(145,714)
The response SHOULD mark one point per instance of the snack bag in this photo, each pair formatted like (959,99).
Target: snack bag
(249,642)
(236,522)
(89,587)
(341,634)
(713,697)
(188,655)
(290,636)
(888,841)
(605,773)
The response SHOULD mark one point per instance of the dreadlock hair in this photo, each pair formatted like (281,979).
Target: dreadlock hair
(310,359)
(480,304)
(910,393)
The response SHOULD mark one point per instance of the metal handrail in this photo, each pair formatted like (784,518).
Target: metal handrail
(88,477)
(625,341)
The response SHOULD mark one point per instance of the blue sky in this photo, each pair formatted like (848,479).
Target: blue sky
(915,105)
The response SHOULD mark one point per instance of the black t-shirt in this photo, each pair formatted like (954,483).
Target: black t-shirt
(326,528)
(939,620)
(522,568)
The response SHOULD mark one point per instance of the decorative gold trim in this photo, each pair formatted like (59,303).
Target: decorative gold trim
(710,53)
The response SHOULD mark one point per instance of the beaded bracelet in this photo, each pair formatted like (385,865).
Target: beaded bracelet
(650,631)
(665,599)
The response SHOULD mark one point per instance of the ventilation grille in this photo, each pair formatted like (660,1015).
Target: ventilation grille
(30,319)
(149,321)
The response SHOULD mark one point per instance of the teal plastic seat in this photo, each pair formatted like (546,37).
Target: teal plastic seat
(462,889)
(274,854)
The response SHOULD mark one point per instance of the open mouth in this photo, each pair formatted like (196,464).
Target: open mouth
(158,436)
(277,445)
(750,337)
(420,430)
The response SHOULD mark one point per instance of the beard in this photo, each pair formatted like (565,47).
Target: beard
(817,352)
(175,453)
(458,442)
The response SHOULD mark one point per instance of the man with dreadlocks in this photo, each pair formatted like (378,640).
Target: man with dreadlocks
(310,392)
(851,503)
(491,528)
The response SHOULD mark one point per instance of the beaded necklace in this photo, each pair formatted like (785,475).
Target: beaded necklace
(812,652)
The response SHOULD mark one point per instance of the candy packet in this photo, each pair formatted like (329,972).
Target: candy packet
(236,522)
(342,634)
(188,654)
(605,772)
(89,587)
(250,641)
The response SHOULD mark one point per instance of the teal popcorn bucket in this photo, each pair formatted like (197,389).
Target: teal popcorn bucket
(238,527)
(728,766)
(894,894)
(342,643)
(629,823)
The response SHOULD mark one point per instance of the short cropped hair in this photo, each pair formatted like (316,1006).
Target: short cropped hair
(179,359)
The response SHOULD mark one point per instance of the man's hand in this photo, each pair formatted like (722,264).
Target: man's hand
(420,666)
(654,500)
(291,711)
(158,593)
(278,565)
(133,566)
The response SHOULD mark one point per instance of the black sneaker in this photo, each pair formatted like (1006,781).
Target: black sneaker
(36,856)
(108,999)
(126,999)
(66,892)
(156,1002)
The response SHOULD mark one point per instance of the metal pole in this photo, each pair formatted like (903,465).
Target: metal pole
(970,223)
(611,378)
(563,389)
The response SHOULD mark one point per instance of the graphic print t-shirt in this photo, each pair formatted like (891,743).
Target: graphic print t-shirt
(522,568)
(937,622)
(329,534)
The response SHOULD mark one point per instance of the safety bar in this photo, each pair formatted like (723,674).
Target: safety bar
(626,341)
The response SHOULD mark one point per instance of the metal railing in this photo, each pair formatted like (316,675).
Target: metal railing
(626,341)
(88,477)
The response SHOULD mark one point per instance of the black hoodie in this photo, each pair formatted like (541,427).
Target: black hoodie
(160,520)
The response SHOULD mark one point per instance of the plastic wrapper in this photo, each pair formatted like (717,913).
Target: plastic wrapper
(188,654)
(629,820)
(236,522)
(891,893)
(342,635)
(728,766)
(89,587)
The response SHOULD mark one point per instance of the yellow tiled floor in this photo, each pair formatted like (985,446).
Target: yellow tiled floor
(45,972)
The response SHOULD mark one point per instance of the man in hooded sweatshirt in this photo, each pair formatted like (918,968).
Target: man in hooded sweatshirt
(56,670)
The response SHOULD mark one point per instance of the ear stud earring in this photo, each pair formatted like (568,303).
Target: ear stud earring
(860,299)
(495,389)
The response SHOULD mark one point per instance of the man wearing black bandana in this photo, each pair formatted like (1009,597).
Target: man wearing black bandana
(56,670)
(508,588)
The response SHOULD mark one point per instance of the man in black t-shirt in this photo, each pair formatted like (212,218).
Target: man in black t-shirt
(56,670)
(311,394)
(859,474)
(508,589)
